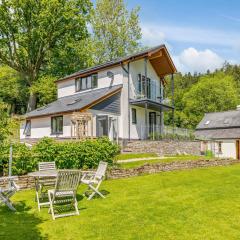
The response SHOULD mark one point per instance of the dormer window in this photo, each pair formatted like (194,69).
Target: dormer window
(87,82)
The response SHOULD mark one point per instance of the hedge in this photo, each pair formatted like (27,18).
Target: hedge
(84,154)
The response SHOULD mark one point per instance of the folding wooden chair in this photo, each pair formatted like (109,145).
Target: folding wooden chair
(94,179)
(44,183)
(65,192)
(7,192)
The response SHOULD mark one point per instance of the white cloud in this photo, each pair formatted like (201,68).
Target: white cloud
(192,60)
(153,34)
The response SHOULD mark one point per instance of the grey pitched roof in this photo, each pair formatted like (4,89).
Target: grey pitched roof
(73,102)
(114,62)
(228,119)
(231,133)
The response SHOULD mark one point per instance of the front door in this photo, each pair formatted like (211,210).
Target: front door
(152,123)
(102,126)
(238,149)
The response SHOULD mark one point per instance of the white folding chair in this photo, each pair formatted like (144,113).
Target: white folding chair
(65,191)
(94,179)
(8,191)
(44,183)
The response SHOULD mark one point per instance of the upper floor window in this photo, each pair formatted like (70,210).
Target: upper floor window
(144,86)
(57,125)
(27,129)
(87,82)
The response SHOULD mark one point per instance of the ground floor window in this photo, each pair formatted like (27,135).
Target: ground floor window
(219,147)
(57,125)
(27,129)
(134,116)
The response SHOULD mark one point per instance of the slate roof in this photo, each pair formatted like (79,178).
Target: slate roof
(113,62)
(231,133)
(226,119)
(219,125)
(74,102)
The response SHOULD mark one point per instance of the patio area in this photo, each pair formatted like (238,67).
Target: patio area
(191,204)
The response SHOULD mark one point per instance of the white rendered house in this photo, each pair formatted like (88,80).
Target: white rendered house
(219,133)
(121,99)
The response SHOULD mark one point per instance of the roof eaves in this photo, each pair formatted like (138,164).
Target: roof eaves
(117,62)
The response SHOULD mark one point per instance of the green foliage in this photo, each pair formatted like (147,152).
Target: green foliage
(199,94)
(116,31)
(67,155)
(7,124)
(210,94)
(21,158)
(209,153)
(46,90)
(13,91)
(31,32)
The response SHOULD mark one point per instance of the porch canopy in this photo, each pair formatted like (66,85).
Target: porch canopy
(150,104)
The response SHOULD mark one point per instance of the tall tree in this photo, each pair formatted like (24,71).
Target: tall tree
(30,31)
(116,31)
(13,90)
(216,92)
(5,122)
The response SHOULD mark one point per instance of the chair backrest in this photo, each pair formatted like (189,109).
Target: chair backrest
(44,166)
(101,170)
(67,180)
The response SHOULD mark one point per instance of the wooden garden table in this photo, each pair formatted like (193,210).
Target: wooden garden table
(39,177)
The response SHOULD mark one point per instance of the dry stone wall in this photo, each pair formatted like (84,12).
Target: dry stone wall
(26,182)
(164,147)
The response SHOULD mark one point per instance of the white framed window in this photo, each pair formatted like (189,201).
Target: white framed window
(27,129)
(57,125)
(85,83)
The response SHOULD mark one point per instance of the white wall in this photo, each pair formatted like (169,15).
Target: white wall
(67,87)
(228,148)
(136,68)
(41,127)
(138,129)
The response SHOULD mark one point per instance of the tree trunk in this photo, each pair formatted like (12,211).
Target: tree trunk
(32,102)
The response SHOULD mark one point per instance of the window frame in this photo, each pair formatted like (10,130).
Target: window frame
(220,147)
(56,131)
(27,128)
(89,82)
(134,116)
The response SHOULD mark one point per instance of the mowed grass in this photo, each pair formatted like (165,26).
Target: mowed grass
(169,159)
(191,204)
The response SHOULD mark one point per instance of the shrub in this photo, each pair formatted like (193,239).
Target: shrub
(22,161)
(67,155)
(209,153)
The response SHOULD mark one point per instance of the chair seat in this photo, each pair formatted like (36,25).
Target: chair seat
(62,194)
(89,181)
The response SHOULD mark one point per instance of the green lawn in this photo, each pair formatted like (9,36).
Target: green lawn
(165,160)
(126,156)
(192,204)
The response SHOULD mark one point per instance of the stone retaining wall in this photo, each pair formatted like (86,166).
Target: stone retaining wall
(165,167)
(164,147)
(26,182)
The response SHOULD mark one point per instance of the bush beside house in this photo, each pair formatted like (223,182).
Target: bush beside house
(67,155)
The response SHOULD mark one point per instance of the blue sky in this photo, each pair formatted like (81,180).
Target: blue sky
(200,35)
